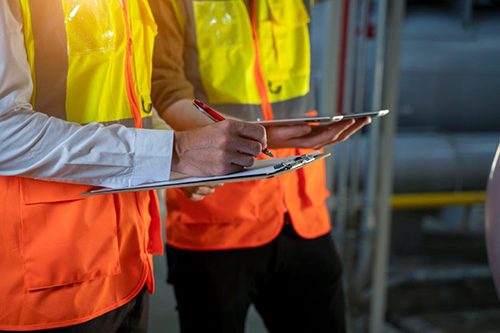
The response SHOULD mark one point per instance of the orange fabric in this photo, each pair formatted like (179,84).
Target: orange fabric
(89,255)
(250,214)
(66,259)
(259,76)
(131,91)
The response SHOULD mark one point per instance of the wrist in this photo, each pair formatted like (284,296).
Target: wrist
(176,152)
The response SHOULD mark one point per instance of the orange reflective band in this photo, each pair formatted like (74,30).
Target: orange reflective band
(129,77)
(155,245)
(259,76)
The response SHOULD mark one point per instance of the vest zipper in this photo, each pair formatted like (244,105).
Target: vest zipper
(267,109)
(129,77)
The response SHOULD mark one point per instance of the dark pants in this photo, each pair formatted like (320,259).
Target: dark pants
(294,283)
(129,318)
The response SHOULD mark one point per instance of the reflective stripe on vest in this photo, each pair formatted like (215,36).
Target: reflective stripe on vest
(222,66)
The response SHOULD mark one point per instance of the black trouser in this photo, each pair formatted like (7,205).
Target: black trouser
(294,283)
(129,318)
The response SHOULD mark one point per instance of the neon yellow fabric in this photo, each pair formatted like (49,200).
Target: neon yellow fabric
(286,61)
(61,274)
(29,42)
(96,66)
(143,34)
(226,58)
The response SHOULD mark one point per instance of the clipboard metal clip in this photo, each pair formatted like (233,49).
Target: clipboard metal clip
(296,162)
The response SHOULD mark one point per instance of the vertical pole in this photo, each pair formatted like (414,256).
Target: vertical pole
(329,98)
(371,191)
(344,151)
(388,130)
(467,8)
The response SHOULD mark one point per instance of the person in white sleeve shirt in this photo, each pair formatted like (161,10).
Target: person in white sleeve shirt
(75,113)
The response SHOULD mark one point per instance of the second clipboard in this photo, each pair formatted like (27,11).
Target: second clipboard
(321,121)
(263,169)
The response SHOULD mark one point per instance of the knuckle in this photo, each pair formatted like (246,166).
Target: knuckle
(256,148)
(248,161)
(261,131)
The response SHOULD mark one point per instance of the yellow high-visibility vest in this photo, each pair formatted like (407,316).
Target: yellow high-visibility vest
(88,71)
(66,259)
(240,59)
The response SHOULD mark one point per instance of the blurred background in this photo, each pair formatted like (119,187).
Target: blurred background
(408,194)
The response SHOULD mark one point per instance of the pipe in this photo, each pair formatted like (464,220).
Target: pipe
(343,55)
(382,238)
(436,200)
(344,152)
(368,213)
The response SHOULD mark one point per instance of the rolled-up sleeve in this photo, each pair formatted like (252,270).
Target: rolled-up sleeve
(38,146)
(169,80)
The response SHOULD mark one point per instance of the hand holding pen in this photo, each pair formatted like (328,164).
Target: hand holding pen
(216,117)
(217,149)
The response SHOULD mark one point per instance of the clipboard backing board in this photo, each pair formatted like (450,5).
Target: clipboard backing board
(262,170)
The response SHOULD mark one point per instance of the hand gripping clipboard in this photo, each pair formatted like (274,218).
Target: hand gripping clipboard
(262,169)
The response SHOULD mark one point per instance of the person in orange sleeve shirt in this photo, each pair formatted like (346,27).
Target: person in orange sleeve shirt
(265,242)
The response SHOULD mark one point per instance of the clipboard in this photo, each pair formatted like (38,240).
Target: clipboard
(320,121)
(262,169)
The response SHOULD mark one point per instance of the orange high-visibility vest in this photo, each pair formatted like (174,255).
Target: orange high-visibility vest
(251,64)
(65,259)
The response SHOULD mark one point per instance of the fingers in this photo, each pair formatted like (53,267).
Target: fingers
(289,132)
(248,147)
(346,131)
(279,136)
(360,123)
(242,160)
(198,193)
(251,131)
(323,135)
(217,149)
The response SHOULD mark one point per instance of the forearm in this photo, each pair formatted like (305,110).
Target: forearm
(169,84)
(37,146)
(182,115)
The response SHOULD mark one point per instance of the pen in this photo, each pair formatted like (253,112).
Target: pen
(215,116)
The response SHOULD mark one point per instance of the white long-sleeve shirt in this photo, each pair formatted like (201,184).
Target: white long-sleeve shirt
(35,145)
